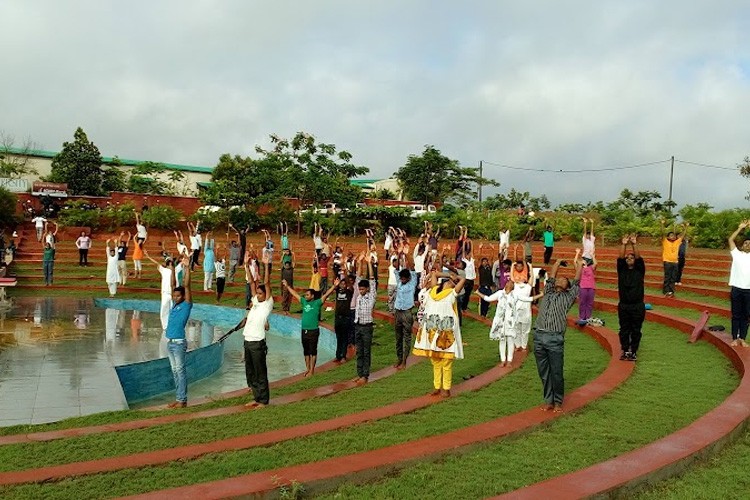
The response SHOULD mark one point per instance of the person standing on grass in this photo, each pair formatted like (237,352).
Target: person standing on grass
(486,282)
(122,254)
(138,245)
(112,276)
(504,243)
(182,298)
(221,278)
(284,233)
(739,283)
(343,318)
(439,335)
(549,243)
(527,239)
(287,274)
(406,291)
(39,223)
(209,263)
(234,259)
(48,263)
(549,333)
(166,270)
(670,250)
(251,273)
(267,252)
(471,271)
(50,236)
(364,302)
(393,268)
(255,325)
(140,230)
(195,244)
(317,238)
(681,254)
(588,289)
(588,240)
(182,248)
(83,244)
(323,260)
(631,310)
(523,289)
(310,323)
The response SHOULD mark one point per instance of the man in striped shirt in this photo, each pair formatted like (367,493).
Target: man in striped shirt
(549,333)
(364,302)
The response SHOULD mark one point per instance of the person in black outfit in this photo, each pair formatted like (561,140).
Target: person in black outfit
(486,284)
(343,323)
(631,310)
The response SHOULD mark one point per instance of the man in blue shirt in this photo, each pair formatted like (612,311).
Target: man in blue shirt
(182,299)
(402,315)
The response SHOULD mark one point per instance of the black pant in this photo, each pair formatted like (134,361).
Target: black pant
(549,351)
(484,306)
(83,256)
(342,326)
(740,301)
(631,318)
(403,323)
(248,294)
(220,282)
(680,268)
(310,342)
(256,371)
(468,290)
(363,340)
(194,258)
(670,277)
(547,254)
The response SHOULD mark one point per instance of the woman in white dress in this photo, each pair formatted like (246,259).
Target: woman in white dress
(507,315)
(439,334)
(113,276)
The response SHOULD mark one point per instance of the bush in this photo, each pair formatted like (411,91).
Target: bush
(162,217)
(8,202)
(118,216)
(80,213)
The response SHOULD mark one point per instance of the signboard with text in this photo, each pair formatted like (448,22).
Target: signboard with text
(14,185)
(54,189)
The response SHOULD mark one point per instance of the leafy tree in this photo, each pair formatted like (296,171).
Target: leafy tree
(8,203)
(79,164)
(514,199)
(312,171)
(113,177)
(238,181)
(384,194)
(15,162)
(745,171)
(433,177)
(144,178)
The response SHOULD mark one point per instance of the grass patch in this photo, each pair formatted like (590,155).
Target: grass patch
(517,391)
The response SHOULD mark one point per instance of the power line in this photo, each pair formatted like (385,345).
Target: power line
(578,171)
(705,165)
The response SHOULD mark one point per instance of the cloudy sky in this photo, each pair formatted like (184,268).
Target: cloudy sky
(553,86)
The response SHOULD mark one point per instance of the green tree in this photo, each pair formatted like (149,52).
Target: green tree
(313,171)
(79,164)
(384,194)
(433,177)
(144,178)
(241,180)
(514,199)
(8,203)
(15,161)
(113,177)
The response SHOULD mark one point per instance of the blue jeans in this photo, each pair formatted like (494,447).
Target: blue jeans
(176,351)
(48,266)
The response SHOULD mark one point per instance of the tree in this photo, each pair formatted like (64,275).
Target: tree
(79,164)
(313,171)
(745,171)
(384,194)
(433,177)
(241,180)
(514,199)
(144,178)
(8,203)
(114,178)
(15,161)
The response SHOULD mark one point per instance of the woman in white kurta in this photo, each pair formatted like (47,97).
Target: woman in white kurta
(439,335)
(113,276)
(523,316)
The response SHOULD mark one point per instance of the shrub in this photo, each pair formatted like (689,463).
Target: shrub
(161,217)
(80,213)
(117,216)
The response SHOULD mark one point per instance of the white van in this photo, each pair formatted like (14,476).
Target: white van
(420,210)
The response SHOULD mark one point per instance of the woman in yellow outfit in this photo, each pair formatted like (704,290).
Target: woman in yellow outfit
(439,335)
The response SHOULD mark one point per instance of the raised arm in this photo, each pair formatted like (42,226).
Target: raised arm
(578,263)
(555,267)
(585,220)
(330,290)
(460,285)
(145,253)
(634,242)
(57,227)
(733,236)
(107,246)
(186,280)
(130,237)
(291,290)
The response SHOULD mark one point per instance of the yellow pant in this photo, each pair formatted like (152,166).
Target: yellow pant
(443,373)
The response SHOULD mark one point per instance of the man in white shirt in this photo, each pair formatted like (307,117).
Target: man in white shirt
(739,282)
(195,244)
(140,229)
(166,288)
(504,244)
(471,274)
(39,224)
(255,326)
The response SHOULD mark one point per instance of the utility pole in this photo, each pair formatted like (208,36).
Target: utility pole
(671,178)
(480,182)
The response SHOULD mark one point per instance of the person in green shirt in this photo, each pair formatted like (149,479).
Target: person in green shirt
(311,307)
(48,262)
(549,243)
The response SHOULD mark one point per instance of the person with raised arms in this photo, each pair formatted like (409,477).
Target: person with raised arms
(182,298)
(739,283)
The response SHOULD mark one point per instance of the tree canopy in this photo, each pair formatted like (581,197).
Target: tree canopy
(79,164)
(433,177)
(15,161)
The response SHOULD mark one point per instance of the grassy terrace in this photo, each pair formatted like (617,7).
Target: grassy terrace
(650,405)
